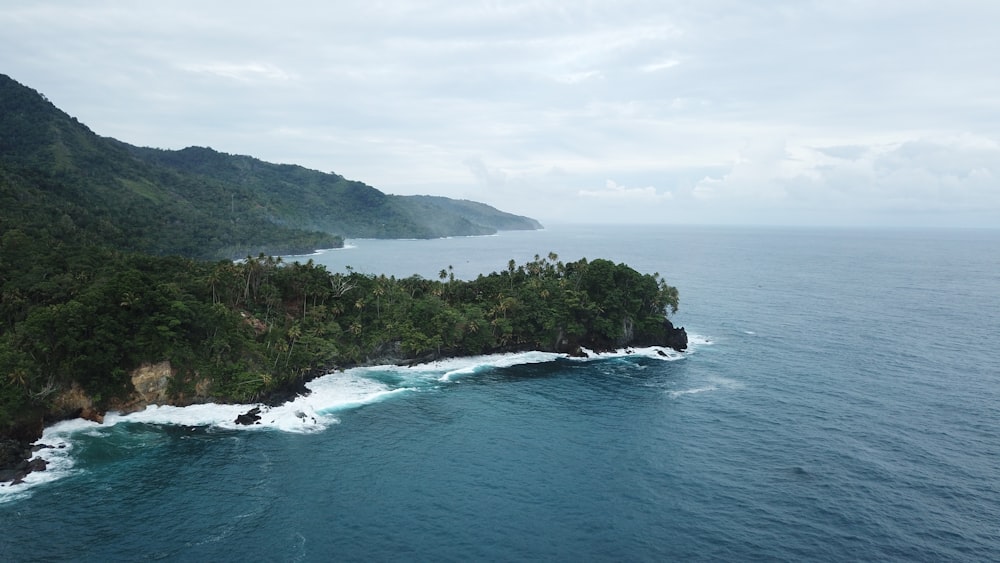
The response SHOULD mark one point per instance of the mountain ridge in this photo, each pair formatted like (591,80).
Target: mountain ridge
(196,201)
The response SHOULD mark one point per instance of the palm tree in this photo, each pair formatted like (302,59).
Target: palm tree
(379,291)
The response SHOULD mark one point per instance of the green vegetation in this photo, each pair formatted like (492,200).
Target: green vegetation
(197,202)
(110,259)
(91,316)
(59,179)
(293,195)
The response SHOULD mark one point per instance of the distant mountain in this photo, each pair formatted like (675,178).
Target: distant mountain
(59,179)
(474,212)
(293,195)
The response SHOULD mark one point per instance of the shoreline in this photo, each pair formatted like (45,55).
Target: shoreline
(15,471)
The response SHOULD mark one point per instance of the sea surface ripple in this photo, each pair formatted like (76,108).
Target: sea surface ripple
(840,402)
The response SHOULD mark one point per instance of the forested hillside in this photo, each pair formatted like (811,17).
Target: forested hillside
(59,179)
(242,330)
(103,272)
(294,195)
(58,175)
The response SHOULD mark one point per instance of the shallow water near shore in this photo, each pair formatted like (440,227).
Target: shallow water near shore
(840,402)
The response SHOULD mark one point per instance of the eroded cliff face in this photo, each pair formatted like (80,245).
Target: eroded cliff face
(153,384)
(74,402)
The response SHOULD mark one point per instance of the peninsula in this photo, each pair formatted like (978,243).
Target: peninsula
(119,289)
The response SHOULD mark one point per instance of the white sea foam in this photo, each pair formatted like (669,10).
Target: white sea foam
(57,453)
(676,394)
(337,392)
(653,352)
(208,414)
(317,252)
(695,341)
(311,413)
(329,394)
(453,368)
(711,383)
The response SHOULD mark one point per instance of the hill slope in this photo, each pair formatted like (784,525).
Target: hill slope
(472,212)
(58,178)
(90,317)
(291,194)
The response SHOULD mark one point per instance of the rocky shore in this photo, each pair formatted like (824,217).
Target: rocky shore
(17,460)
(151,383)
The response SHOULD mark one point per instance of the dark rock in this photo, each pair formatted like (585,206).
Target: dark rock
(250,417)
(92,414)
(20,470)
(667,336)
(676,338)
(13,452)
(387,353)
(293,388)
(14,463)
(37,464)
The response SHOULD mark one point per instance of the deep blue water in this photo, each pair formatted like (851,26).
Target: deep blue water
(842,403)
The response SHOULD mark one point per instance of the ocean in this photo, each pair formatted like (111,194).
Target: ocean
(840,401)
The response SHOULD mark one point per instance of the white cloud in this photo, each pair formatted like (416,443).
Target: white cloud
(706,188)
(239,71)
(659,65)
(575,77)
(949,175)
(739,112)
(615,192)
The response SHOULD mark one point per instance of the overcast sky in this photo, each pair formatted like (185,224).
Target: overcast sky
(841,112)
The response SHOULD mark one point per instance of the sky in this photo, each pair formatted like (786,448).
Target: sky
(771,112)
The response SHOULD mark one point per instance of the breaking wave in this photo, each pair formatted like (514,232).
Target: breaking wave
(328,395)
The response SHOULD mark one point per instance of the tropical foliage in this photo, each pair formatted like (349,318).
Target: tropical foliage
(57,173)
(106,264)
(250,328)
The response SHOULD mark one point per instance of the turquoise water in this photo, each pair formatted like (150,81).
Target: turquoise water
(841,402)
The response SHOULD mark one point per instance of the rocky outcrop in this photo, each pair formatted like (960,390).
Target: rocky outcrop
(16,460)
(12,453)
(676,338)
(16,448)
(16,472)
(668,336)
(152,383)
(72,403)
(92,415)
(152,386)
(16,451)
(249,418)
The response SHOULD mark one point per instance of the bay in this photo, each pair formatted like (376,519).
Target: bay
(840,402)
